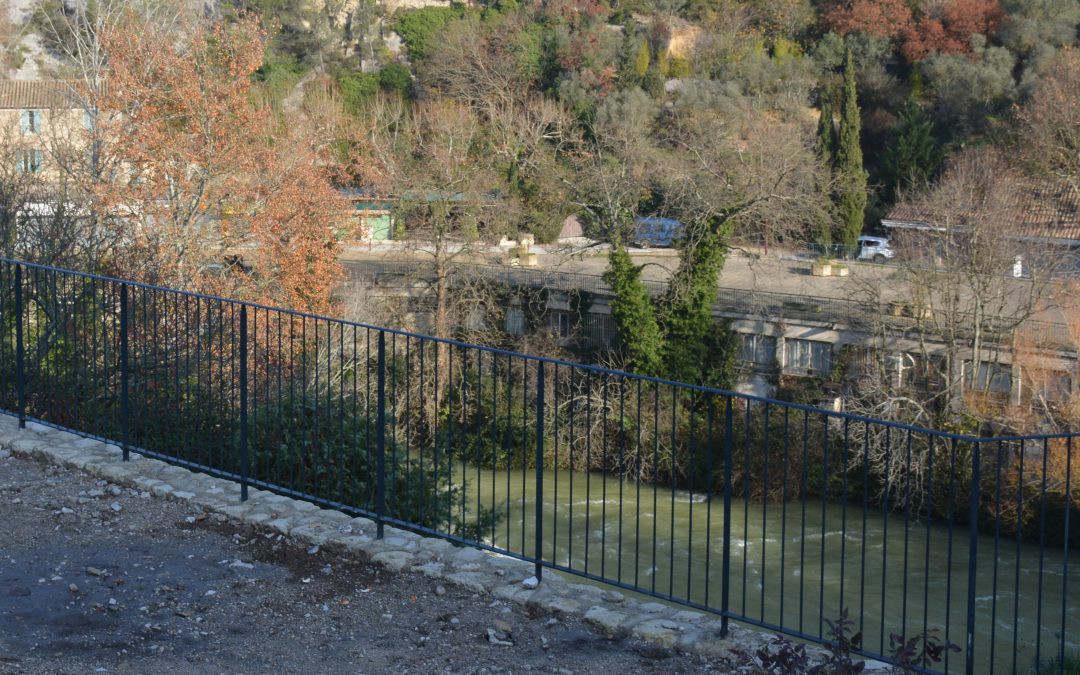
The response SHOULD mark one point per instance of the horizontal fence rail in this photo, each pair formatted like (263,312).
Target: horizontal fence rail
(738,302)
(778,515)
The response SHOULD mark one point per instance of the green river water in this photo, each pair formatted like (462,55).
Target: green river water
(797,565)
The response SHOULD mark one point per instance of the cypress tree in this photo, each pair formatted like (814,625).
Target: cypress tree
(826,145)
(826,130)
(663,62)
(641,59)
(682,340)
(850,175)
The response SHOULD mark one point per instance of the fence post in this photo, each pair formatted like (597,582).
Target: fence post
(243,404)
(20,372)
(973,548)
(125,403)
(539,546)
(725,595)
(380,436)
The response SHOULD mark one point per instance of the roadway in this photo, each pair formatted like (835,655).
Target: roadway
(776,273)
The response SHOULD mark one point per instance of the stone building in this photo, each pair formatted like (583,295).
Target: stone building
(42,126)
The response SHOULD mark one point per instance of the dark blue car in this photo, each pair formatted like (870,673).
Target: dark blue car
(654,231)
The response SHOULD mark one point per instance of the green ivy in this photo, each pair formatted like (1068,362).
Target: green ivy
(637,332)
(697,349)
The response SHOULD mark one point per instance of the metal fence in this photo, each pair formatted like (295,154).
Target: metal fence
(773,514)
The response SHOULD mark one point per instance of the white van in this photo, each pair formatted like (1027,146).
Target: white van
(876,249)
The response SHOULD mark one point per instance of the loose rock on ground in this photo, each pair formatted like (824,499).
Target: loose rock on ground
(162,586)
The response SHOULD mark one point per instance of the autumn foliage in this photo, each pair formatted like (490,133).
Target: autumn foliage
(198,169)
(950,33)
(944,28)
(880,18)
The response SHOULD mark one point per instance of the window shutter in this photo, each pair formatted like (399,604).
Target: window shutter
(24,121)
(87,120)
(37,160)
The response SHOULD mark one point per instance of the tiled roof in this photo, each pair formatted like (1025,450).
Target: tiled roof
(35,94)
(1030,209)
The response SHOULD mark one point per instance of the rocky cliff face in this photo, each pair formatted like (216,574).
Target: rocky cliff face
(683,38)
(352,25)
(24,55)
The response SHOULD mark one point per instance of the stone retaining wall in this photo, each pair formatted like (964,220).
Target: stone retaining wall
(501,576)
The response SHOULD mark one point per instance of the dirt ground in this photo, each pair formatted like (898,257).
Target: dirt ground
(95,578)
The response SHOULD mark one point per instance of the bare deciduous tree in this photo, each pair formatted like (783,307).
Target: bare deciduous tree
(1050,132)
(969,282)
(433,158)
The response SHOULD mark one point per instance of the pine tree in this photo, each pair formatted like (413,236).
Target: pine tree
(913,156)
(850,175)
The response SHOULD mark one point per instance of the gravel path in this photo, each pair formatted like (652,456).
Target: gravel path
(99,578)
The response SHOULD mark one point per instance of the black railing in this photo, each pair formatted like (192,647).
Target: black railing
(774,514)
(744,303)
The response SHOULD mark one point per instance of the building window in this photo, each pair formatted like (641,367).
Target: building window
(29,161)
(1052,386)
(599,330)
(30,121)
(757,350)
(559,323)
(515,321)
(476,318)
(808,356)
(995,378)
(916,371)
(88,120)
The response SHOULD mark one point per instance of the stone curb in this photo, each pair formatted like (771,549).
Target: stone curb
(503,577)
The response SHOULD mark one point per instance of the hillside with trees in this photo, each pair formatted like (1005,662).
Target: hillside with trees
(940,74)
(905,84)
(753,123)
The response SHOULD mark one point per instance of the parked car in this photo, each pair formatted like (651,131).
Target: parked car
(654,231)
(876,249)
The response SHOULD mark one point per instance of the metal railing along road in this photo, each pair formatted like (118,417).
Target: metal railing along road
(737,302)
(773,514)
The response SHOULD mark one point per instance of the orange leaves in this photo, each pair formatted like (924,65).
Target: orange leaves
(946,28)
(294,230)
(191,146)
(177,116)
(950,33)
(881,18)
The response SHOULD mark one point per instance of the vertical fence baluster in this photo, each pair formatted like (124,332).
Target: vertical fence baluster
(1065,554)
(972,552)
(380,440)
(20,354)
(539,552)
(1042,556)
(125,403)
(243,404)
(725,592)
(51,291)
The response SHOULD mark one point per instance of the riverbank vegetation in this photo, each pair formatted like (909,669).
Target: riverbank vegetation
(749,124)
